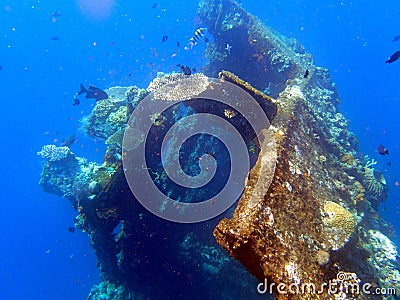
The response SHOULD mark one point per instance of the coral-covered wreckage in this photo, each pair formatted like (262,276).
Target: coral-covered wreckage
(316,223)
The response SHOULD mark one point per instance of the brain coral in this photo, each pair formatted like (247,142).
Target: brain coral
(340,224)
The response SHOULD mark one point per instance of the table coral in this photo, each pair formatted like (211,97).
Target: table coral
(184,89)
(163,79)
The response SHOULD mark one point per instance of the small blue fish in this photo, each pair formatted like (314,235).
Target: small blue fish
(54,38)
(164,39)
(56,14)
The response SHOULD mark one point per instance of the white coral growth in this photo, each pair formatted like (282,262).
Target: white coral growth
(54,153)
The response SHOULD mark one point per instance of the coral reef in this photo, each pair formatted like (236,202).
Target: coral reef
(59,173)
(193,86)
(53,153)
(111,291)
(118,118)
(111,115)
(374,182)
(164,78)
(116,138)
(65,177)
(296,231)
(117,93)
(133,96)
(96,123)
(122,232)
(385,258)
(317,221)
(257,56)
(74,177)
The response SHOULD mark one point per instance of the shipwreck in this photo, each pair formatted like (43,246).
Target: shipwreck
(305,214)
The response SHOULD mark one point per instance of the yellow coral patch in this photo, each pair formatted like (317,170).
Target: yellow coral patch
(340,224)
(339,217)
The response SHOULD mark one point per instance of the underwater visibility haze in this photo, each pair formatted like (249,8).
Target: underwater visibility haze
(206,149)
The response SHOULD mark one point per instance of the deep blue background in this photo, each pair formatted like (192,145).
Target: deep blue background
(39,78)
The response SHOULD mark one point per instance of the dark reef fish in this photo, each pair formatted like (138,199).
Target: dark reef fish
(395,56)
(185,69)
(93,93)
(71,229)
(197,35)
(306,74)
(164,39)
(68,140)
(396,38)
(382,150)
(76,102)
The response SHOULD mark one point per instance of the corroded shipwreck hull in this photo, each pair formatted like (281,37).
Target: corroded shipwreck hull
(323,193)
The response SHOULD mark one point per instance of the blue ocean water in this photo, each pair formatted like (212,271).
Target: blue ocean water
(48,48)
